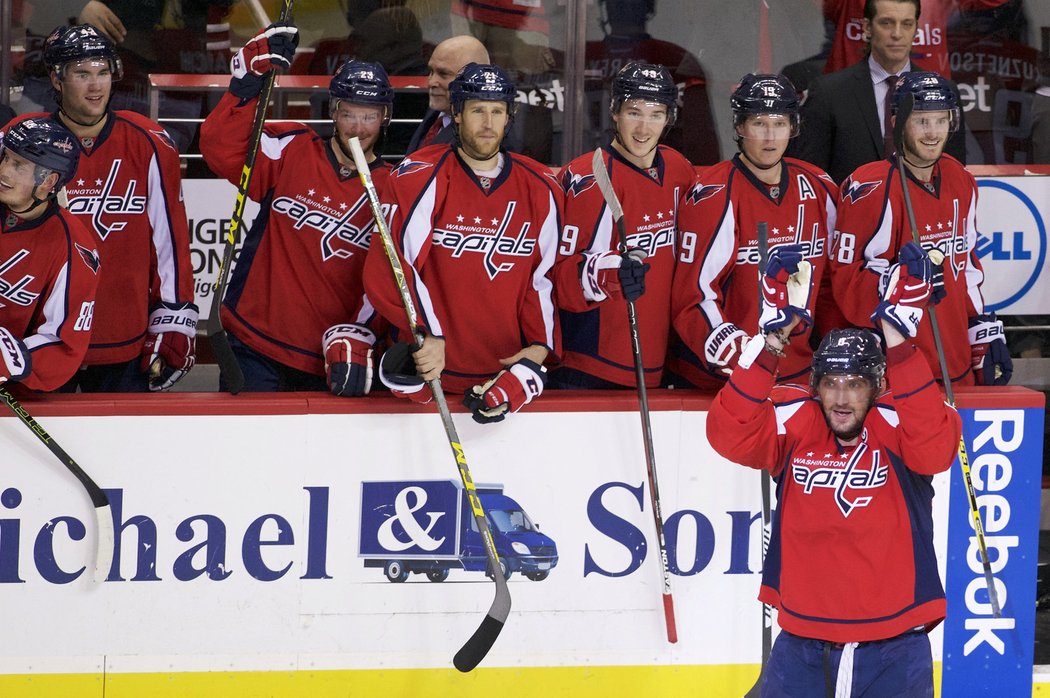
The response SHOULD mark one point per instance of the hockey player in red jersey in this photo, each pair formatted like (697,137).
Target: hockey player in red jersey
(851,565)
(716,303)
(593,276)
(873,225)
(49,263)
(128,192)
(477,230)
(295,309)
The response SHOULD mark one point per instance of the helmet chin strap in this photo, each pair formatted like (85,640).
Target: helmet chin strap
(36,202)
(78,122)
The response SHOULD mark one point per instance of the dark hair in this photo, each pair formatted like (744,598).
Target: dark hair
(869,8)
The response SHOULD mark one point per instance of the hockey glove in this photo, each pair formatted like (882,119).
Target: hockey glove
(273,47)
(786,287)
(724,346)
(989,356)
(15,360)
(348,359)
(509,391)
(397,371)
(937,290)
(612,275)
(170,350)
(905,290)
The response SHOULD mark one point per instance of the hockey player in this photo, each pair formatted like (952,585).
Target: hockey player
(295,308)
(593,275)
(716,300)
(49,263)
(873,225)
(476,227)
(128,192)
(851,565)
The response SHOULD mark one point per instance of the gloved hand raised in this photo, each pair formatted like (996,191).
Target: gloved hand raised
(272,48)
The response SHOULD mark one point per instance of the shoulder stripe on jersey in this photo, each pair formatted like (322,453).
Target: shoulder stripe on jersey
(785,412)
(889,414)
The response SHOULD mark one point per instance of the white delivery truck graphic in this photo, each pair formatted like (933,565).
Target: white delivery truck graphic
(427,527)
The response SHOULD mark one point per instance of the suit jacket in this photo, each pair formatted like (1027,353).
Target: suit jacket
(6,114)
(445,135)
(840,124)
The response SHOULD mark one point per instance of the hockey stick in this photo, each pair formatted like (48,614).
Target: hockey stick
(475,649)
(903,112)
(103,515)
(601,178)
(217,337)
(767,610)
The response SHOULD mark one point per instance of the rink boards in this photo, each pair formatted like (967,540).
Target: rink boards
(240,525)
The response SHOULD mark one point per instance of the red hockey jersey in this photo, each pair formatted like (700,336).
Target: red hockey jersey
(128,191)
(717,276)
(49,270)
(596,336)
(477,254)
(300,269)
(873,225)
(851,555)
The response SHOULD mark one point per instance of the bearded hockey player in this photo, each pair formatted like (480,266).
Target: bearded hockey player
(851,564)
(127,191)
(873,226)
(476,228)
(594,276)
(49,263)
(716,304)
(295,308)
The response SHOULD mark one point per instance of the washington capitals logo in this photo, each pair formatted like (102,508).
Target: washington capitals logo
(855,191)
(844,479)
(409,166)
(699,192)
(90,258)
(577,184)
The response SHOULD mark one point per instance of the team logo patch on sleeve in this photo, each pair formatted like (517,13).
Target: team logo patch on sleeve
(701,191)
(855,191)
(164,138)
(408,166)
(576,184)
(90,258)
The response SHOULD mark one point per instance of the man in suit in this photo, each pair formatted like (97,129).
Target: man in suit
(845,117)
(448,59)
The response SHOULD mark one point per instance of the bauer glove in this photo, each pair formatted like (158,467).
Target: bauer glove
(170,349)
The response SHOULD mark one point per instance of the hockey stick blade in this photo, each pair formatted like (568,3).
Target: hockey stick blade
(483,638)
(103,514)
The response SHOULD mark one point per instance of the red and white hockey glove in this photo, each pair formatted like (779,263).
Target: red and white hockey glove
(786,287)
(348,359)
(612,275)
(509,391)
(15,360)
(905,290)
(989,355)
(273,47)
(397,371)
(170,350)
(724,346)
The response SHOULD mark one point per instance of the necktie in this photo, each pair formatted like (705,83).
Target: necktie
(432,132)
(887,110)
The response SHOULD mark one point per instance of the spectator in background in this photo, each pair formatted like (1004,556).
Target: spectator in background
(626,40)
(128,191)
(383,32)
(448,59)
(846,113)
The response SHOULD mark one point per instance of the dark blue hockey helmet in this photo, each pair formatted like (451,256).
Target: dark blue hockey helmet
(361,82)
(764,93)
(481,81)
(850,352)
(81,42)
(45,143)
(930,92)
(646,81)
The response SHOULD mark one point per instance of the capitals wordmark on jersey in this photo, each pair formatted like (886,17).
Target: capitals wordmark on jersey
(16,292)
(306,212)
(488,238)
(100,200)
(843,476)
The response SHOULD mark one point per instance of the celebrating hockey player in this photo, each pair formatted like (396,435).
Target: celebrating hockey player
(594,277)
(295,308)
(851,565)
(128,191)
(49,263)
(873,225)
(476,227)
(716,301)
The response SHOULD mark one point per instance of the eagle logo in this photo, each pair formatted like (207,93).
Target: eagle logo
(576,184)
(90,258)
(164,138)
(855,191)
(701,191)
(409,166)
